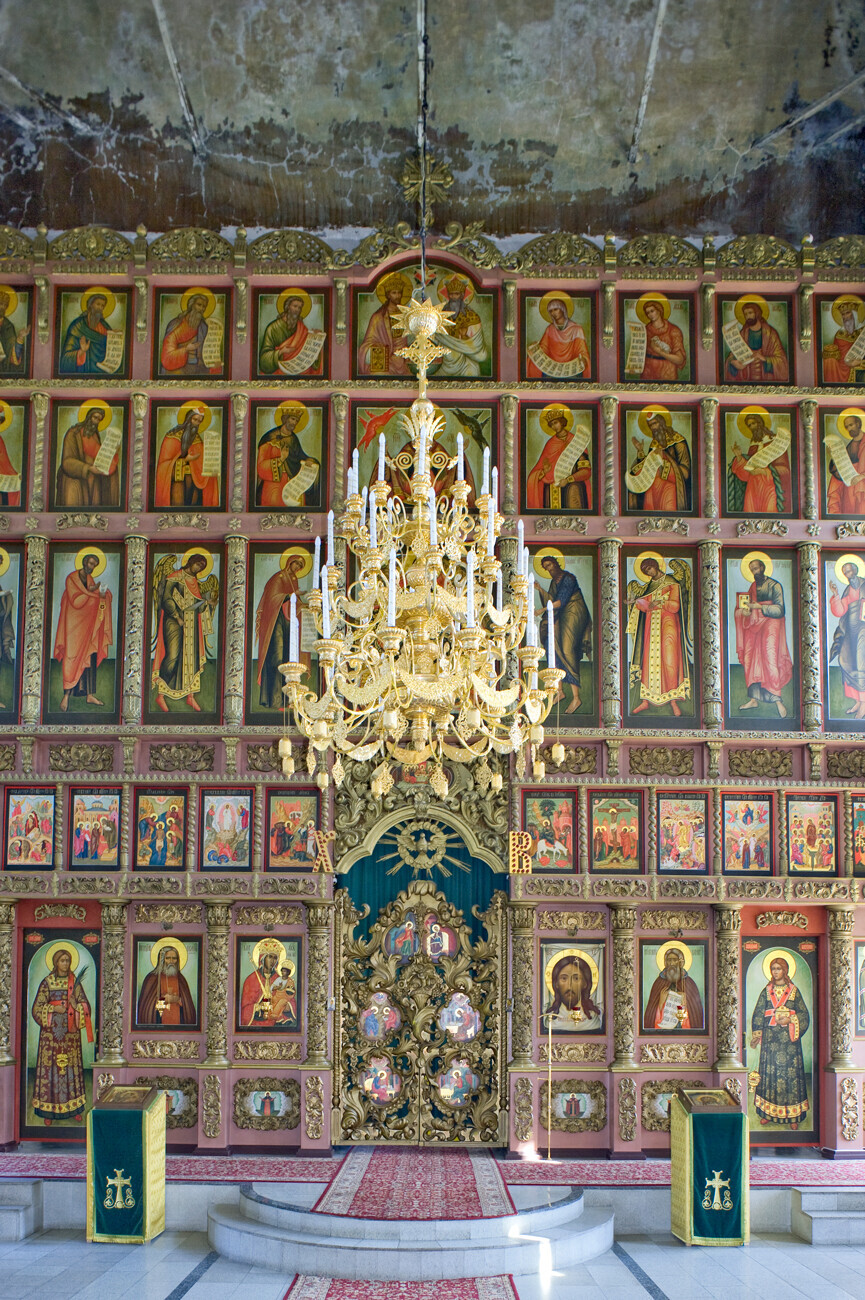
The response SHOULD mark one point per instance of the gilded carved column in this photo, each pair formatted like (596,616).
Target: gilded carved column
(522,920)
(235,602)
(318,918)
(218,922)
(611,697)
(728,922)
(40,412)
(710,621)
(136,494)
(509,416)
(239,407)
(7,937)
(809,630)
(339,406)
(34,613)
(709,407)
(624,920)
(609,406)
(841,922)
(808,409)
(133,636)
(114,967)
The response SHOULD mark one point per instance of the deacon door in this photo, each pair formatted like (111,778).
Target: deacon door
(419,1051)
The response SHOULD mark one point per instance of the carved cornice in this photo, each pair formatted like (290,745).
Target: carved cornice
(760,762)
(661,760)
(674,1053)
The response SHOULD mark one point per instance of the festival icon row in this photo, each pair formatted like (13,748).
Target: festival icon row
(758,637)
(191,333)
(159,829)
(288,469)
(617,830)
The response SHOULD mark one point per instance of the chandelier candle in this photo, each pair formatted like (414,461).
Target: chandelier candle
(521,573)
(551,639)
(461,464)
(293,638)
(316,562)
(381,448)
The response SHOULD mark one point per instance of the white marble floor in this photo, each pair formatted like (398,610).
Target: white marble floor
(62,1266)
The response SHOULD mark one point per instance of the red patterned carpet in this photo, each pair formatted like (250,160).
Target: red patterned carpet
(656,1173)
(322,1288)
(404,1183)
(184,1169)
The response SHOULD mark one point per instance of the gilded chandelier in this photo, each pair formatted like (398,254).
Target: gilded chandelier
(421,659)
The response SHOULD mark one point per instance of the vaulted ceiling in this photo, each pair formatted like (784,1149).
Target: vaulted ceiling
(631,116)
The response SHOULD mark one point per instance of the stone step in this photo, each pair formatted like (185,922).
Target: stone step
(263,1205)
(20,1209)
(327,1253)
(834,1216)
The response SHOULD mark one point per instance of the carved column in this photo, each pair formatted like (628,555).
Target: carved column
(509,415)
(522,983)
(728,922)
(239,407)
(139,411)
(809,630)
(710,622)
(808,409)
(114,969)
(841,922)
(234,638)
(339,406)
(709,407)
(624,920)
(40,412)
(34,613)
(609,406)
(611,696)
(133,635)
(7,936)
(318,925)
(218,922)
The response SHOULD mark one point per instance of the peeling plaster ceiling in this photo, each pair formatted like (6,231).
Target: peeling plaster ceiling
(640,115)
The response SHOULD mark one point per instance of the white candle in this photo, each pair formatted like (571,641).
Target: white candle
(292,631)
(461,464)
(391,589)
(316,562)
(525,562)
(381,458)
(499,591)
(325,604)
(354,467)
(330,538)
(470,589)
(433,522)
(530,625)
(349,483)
(551,640)
(363,495)
(373,522)
(520,531)
(486,481)
(491,539)
(495,489)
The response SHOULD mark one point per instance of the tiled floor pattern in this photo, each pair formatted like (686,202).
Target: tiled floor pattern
(181,1266)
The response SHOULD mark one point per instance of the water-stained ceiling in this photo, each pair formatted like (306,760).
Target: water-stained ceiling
(636,115)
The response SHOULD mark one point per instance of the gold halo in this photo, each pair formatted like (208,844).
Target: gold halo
(198,550)
(556,408)
(639,572)
(67,947)
(779,952)
(848,558)
(4,560)
(441,287)
(853,299)
(299,551)
(541,554)
(201,407)
(856,412)
(404,284)
(91,550)
(564,298)
(754,555)
(294,293)
(674,943)
(652,409)
(205,293)
(741,303)
(13,297)
(750,410)
(93,404)
(99,290)
(293,405)
(570,952)
(5,415)
(660,298)
(169,941)
(256,952)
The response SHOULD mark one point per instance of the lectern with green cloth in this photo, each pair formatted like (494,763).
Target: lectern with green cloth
(126,1165)
(709,1176)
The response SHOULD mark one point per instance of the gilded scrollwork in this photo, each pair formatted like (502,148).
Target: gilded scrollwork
(843,253)
(267,918)
(235,610)
(757,253)
(184,756)
(178,519)
(760,761)
(136,570)
(258,1051)
(849,1109)
(187,1086)
(571,921)
(651,252)
(90,245)
(611,702)
(574,1053)
(524,1119)
(623,921)
(728,923)
(560,524)
(170,914)
(654,1113)
(162,1049)
(113,983)
(609,407)
(510,406)
(245,1115)
(263,758)
(7,758)
(797,919)
(80,519)
(734,1087)
(190,248)
(661,760)
(579,760)
(595,1117)
(846,764)
(211,1106)
(841,922)
(318,925)
(34,605)
(313,1119)
(770,527)
(627,1109)
(81,757)
(674,1054)
(218,923)
(7,965)
(810,614)
(273,521)
(661,524)
(677,919)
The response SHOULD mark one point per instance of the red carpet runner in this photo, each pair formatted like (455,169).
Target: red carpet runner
(322,1288)
(409,1183)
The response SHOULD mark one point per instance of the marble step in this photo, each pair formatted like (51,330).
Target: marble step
(20,1209)
(328,1252)
(831,1216)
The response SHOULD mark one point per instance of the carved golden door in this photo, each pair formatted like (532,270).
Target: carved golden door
(420,1027)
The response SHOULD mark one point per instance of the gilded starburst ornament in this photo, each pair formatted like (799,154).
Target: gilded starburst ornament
(436,183)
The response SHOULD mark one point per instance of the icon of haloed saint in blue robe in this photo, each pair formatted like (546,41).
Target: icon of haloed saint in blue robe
(778,1024)
(403,939)
(572,623)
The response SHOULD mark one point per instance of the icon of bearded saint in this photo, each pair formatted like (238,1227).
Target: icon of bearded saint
(674,1002)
